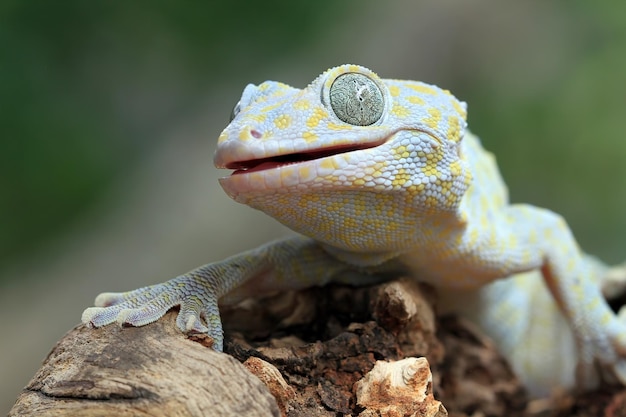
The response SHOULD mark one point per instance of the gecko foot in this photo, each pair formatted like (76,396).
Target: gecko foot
(198,314)
(605,358)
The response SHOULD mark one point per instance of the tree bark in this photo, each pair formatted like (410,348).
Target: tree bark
(146,371)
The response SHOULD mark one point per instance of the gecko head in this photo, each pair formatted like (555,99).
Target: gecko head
(352,160)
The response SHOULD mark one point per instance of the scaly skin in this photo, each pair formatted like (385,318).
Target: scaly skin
(382,176)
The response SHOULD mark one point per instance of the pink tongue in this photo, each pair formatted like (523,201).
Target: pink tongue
(261,167)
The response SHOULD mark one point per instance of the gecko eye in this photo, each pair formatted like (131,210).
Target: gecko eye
(235,111)
(356,99)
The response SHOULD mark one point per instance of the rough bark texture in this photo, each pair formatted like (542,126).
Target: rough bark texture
(324,340)
(313,350)
(147,371)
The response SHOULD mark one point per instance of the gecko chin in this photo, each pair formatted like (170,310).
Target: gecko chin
(311,209)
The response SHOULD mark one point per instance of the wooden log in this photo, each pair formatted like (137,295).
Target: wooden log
(146,371)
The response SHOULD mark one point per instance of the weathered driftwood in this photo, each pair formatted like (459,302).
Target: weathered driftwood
(147,371)
(313,350)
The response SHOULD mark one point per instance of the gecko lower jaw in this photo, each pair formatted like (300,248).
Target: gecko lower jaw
(278,161)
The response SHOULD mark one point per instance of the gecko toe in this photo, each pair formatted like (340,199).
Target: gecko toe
(139,316)
(107,299)
(98,316)
(201,317)
(189,318)
(191,324)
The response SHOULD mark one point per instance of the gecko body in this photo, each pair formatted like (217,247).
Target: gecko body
(382,175)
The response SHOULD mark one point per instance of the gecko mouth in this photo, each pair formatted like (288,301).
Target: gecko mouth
(272,162)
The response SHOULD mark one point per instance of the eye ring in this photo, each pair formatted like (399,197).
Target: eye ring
(356,99)
(235,111)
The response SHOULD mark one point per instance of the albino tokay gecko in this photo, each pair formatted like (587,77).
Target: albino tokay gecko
(382,176)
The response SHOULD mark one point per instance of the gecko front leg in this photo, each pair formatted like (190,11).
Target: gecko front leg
(287,264)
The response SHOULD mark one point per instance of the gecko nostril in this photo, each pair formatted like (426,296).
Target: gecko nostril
(255,134)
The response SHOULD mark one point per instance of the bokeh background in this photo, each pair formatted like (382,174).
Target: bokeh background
(109,113)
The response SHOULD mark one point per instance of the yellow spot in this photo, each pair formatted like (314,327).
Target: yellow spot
(244,135)
(334,126)
(378,169)
(416,189)
(400,111)
(416,100)
(269,108)
(434,119)
(432,158)
(283,121)
(452,199)
(431,170)
(454,130)
(400,152)
(309,137)
(281,88)
(394,90)
(328,163)
(401,178)
(304,172)
(468,178)
(421,88)
(455,168)
(223,137)
(335,206)
(259,118)
(301,105)
(318,114)
(350,223)
(459,109)
(279,93)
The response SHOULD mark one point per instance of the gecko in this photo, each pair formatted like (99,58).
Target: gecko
(381,177)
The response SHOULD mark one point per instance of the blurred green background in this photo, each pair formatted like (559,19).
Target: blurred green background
(109,112)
